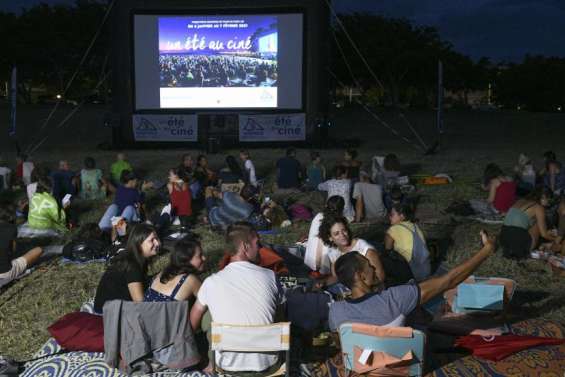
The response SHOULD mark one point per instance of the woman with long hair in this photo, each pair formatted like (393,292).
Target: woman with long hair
(316,255)
(179,280)
(231,173)
(126,275)
(501,188)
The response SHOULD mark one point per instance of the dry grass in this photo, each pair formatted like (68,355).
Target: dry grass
(31,304)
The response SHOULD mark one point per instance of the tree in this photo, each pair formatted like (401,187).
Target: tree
(50,43)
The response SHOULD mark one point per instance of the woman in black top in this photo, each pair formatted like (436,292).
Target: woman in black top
(126,275)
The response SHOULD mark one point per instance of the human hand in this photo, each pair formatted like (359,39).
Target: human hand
(487,241)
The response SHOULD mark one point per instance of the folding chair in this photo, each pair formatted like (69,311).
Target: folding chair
(247,338)
(382,351)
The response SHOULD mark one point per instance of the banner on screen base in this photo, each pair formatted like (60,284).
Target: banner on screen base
(288,127)
(154,127)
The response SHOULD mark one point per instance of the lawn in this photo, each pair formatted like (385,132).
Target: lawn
(30,305)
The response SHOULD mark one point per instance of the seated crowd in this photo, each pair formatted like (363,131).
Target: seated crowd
(384,283)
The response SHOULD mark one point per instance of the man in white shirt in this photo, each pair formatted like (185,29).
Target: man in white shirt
(369,199)
(243,293)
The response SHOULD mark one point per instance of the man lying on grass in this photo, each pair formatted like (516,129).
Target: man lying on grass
(370,305)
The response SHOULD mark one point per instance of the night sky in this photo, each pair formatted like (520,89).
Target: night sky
(500,29)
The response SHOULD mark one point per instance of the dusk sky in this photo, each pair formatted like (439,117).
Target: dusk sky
(500,29)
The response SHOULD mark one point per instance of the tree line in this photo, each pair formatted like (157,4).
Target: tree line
(47,43)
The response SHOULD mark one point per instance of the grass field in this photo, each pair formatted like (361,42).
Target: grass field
(31,304)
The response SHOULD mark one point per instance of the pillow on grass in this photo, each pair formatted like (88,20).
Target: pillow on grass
(79,331)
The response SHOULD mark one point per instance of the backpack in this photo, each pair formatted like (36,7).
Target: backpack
(84,250)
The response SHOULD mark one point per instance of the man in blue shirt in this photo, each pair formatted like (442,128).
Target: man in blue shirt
(289,171)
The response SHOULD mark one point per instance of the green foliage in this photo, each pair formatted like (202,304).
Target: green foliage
(46,43)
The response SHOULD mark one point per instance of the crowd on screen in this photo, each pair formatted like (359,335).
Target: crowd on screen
(216,71)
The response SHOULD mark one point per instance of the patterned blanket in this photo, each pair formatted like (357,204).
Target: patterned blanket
(547,361)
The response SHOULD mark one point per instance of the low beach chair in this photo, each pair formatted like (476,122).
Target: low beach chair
(382,351)
(242,338)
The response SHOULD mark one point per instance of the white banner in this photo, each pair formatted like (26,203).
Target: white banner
(288,127)
(157,127)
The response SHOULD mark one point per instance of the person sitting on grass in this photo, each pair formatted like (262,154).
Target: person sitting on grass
(501,192)
(45,212)
(12,266)
(351,164)
(289,172)
(180,196)
(127,201)
(126,277)
(525,174)
(340,185)
(405,239)
(250,175)
(179,280)
(316,254)
(202,172)
(65,181)
(118,167)
(243,293)
(554,179)
(315,172)
(368,199)
(186,166)
(335,233)
(92,184)
(524,224)
(226,208)
(547,157)
(391,171)
(370,304)
(231,174)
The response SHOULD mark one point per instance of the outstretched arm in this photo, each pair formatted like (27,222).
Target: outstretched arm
(435,286)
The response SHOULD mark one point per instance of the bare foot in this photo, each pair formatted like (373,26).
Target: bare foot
(209,368)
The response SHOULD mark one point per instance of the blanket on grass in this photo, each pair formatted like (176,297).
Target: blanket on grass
(534,362)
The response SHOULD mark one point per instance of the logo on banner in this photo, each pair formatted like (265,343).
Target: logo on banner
(165,127)
(272,127)
(253,125)
(146,125)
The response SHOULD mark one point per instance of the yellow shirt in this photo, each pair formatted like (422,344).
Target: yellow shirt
(403,238)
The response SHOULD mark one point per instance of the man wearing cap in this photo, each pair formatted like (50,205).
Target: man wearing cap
(369,199)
